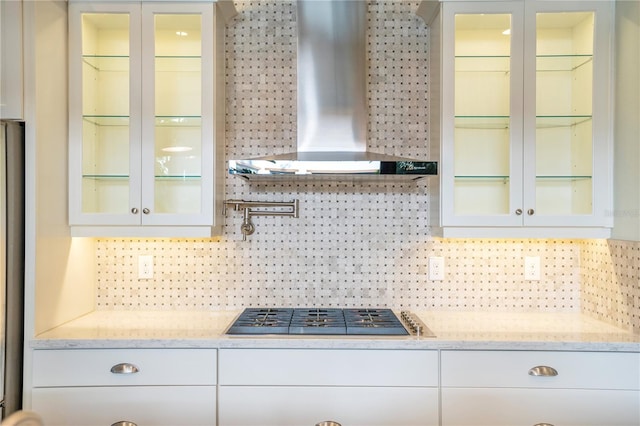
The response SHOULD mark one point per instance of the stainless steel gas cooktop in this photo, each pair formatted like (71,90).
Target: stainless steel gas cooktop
(327,321)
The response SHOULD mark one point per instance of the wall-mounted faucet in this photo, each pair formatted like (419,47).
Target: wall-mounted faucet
(247,207)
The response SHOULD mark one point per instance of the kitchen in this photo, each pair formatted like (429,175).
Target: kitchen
(352,246)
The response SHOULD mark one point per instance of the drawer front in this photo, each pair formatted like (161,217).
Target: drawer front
(92,367)
(143,406)
(295,406)
(578,370)
(528,407)
(328,367)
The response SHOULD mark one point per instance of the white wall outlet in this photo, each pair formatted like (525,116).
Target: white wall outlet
(532,268)
(145,267)
(436,268)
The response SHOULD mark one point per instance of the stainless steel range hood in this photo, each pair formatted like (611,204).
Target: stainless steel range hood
(332,103)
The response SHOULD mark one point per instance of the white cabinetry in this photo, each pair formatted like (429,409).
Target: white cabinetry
(496,388)
(170,387)
(146,120)
(11,61)
(522,117)
(305,386)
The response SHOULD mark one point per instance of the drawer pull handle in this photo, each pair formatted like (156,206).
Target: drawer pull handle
(543,424)
(544,371)
(124,368)
(124,423)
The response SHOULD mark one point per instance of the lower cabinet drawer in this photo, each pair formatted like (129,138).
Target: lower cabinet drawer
(140,405)
(98,367)
(529,407)
(328,367)
(353,406)
(569,370)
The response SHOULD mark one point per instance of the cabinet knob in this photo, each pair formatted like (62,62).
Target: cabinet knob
(146,211)
(124,423)
(134,210)
(530,212)
(124,368)
(544,371)
(518,212)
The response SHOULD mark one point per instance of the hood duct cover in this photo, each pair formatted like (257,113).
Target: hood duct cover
(332,102)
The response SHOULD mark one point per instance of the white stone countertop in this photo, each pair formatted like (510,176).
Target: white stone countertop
(453,330)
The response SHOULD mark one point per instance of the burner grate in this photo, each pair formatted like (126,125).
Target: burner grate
(262,321)
(327,321)
(373,321)
(317,321)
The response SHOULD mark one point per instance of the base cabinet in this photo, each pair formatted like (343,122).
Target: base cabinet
(528,388)
(347,405)
(118,406)
(530,407)
(133,387)
(305,387)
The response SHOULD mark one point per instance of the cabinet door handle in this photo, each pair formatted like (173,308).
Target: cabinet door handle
(544,371)
(146,211)
(134,210)
(543,424)
(530,212)
(124,368)
(124,423)
(518,212)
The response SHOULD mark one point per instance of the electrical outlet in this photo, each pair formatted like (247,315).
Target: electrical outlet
(145,267)
(436,268)
(532,268)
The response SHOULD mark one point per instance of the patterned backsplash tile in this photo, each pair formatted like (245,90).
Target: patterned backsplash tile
(354,244)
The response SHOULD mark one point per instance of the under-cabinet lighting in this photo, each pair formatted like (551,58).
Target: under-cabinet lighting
(507,31)
(182,33)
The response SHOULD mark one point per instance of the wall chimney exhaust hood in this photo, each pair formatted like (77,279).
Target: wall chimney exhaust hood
(332,103)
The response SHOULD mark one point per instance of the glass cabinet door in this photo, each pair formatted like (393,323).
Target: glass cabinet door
(486,109)
(141,108)
(563,80)
(526,118)
(104,118)
(177,112)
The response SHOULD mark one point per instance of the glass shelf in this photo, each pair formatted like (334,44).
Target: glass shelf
(561,62)
(465,177)
(178,177)
(106,177)
(107,62)
(126,177)
(563,178)
(178,121)
(555,121)
(161,121)
(492,178)
(107,120)
(502,122)
(482,122)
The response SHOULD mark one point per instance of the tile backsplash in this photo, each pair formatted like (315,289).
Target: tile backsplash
(354,244)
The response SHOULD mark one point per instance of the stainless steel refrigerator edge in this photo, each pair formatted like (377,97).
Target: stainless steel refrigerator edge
(12,239)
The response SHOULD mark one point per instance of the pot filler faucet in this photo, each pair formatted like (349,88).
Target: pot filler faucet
(276,208)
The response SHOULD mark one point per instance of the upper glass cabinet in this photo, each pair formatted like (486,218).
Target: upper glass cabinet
(525,123)
(106,123)
(563,123)
(143,97)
